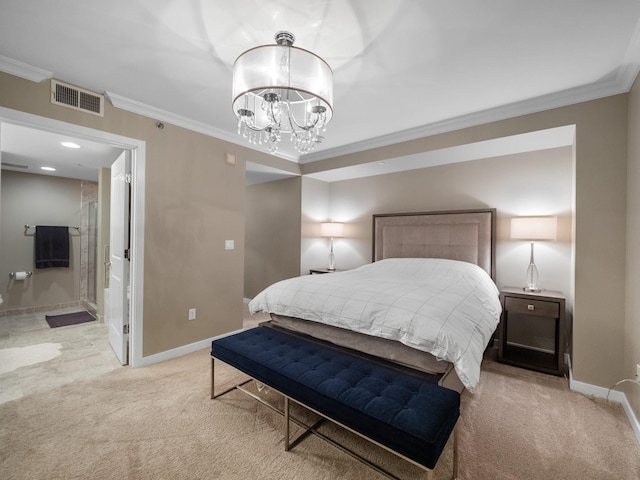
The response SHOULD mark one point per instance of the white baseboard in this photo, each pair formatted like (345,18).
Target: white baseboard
(246,300)
(178,352)
(601,392)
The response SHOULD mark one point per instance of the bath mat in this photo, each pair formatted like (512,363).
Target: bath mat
(69,319)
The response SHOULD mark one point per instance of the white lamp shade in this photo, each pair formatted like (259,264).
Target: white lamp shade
(534,228)
(294,74)
(332,229)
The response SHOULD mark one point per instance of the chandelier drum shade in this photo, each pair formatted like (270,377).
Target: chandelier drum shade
(281,89)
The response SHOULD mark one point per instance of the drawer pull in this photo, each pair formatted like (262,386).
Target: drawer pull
(531,307)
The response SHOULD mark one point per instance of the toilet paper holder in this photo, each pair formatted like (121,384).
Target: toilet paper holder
(14,275)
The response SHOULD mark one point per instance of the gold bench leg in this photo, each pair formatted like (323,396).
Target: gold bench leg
(213,370)
(430,473)
(286,424)
(455,453)
(213,383)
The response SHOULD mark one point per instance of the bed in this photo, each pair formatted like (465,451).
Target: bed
(428,300)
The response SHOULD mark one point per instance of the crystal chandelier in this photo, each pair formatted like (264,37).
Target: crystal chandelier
(281,89)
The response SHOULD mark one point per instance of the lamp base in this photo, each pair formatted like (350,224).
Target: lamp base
(532,289)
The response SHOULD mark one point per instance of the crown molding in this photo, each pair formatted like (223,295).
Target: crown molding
(23,70)
(621,84)
(145,110)
(631,61)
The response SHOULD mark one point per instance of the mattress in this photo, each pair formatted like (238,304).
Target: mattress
(380,347)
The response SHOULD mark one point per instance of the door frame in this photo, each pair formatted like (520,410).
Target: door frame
(138,159)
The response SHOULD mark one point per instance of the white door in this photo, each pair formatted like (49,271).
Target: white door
(119,258)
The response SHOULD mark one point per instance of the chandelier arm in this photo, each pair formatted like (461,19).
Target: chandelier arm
(292,121)
(251,127)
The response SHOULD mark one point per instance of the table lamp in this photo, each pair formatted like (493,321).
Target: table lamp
(533,228)
(331,230)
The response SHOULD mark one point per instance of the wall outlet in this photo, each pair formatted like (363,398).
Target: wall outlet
(192,314)
(229,245)
(638,371)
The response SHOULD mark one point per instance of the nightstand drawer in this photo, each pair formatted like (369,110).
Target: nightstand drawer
(532,307)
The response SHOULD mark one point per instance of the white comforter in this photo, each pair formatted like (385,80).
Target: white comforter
(445,307)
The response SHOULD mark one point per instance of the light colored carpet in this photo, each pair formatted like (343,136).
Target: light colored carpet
(158,422)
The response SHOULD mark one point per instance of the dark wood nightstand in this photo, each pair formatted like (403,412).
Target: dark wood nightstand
(531,330)
(323,270)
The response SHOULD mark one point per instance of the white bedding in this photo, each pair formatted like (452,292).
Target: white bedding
(445,307)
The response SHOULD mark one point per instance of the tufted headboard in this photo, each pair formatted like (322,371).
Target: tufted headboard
(467,235)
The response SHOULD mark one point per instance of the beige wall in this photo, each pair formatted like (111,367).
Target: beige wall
(535,183)
(632,317)
(194,202)
(38,200)
(272,233)
(600,217)
(315,209)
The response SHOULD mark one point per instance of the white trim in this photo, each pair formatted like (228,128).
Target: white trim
(601,392)
(138,148)
(533,105)
(149,111)
(23,70)
(183,350)
(620,84)
(136,328)
(631,63)
(246,300)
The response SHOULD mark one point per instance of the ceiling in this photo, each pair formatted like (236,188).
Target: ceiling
(27,150)
(403,69)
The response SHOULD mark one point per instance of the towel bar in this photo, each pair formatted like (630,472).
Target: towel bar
(27,227)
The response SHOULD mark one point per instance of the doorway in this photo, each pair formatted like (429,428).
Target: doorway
(137,149)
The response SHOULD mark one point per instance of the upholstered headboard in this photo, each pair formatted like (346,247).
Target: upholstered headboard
(466,235)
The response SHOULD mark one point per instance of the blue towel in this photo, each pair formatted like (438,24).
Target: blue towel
(52,247)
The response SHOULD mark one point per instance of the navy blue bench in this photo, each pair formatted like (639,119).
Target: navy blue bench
(402,411)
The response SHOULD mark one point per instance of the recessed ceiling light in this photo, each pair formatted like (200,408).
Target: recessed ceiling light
(48,169)
(69,144)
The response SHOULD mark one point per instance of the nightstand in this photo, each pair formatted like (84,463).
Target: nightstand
(322,270)
(531,330)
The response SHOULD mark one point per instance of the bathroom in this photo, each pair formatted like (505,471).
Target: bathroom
(29,200)
(34,356)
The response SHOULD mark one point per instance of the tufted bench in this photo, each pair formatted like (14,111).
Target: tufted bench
(396,408)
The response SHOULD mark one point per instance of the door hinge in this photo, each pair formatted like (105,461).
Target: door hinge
(126,254)
(125,329)
(127,177)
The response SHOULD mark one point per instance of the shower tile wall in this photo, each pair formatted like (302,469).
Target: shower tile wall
(88,258)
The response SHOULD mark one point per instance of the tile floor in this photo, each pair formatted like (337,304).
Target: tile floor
(62,355)
(35,358)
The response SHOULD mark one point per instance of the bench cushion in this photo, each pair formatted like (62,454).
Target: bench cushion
(406,412)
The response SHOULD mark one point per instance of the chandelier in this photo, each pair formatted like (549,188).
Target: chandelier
(281,89)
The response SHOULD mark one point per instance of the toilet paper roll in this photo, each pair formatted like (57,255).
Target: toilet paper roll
(20,276)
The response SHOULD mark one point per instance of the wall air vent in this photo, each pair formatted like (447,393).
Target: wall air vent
(76,98)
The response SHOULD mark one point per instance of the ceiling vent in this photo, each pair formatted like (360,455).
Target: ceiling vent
(14,165)
(77,98)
